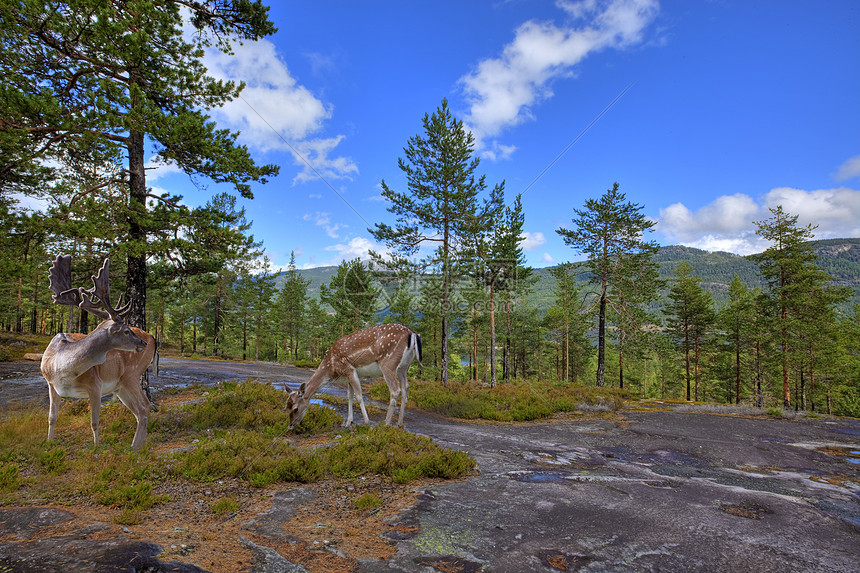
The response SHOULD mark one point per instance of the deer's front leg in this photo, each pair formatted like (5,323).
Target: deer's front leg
(348,421)
(354,388)
(53,410)
(95,395)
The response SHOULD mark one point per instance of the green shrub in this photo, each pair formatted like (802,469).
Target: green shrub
(135,495)
(228,454)
(224,506)
(249,405)
(395,453)
(53,460)
(367,501)
(515,401)
(10,479)
(317,419)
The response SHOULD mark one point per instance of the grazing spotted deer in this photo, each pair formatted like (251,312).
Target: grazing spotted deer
(385,350)
(110,359)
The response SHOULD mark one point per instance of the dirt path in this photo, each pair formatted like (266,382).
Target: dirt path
(647,491)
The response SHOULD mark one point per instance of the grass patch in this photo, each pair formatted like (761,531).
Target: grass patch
(518,401)
(13,346)
(224,506)
(367,501)
(234,431)
(395,453)
(10,477)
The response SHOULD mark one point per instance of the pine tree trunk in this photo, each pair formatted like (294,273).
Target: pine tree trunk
(507,368)
(687,363)
(216,323)
(737,372)
(136,279)
(601,338)
(492,336)
(696,349)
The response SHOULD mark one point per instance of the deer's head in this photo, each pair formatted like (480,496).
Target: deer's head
(297,405)
(123,337)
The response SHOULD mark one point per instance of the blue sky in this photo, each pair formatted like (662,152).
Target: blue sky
(728,108)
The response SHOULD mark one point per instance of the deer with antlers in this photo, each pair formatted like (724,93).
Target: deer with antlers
(110,359)
(385,350)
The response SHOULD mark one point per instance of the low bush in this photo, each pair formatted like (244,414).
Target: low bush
(317,419)
(367,501)
(517,401)
(396,453)
(237,431)
(10,477)
(224,506)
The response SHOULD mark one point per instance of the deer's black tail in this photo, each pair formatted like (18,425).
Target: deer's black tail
(415,339)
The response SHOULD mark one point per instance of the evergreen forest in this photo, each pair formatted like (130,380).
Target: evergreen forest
(780,329)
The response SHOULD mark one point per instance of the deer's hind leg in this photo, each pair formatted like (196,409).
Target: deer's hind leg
(404,386)
(134,398)
(394,392)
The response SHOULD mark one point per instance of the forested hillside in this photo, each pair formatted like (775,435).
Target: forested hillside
(840,258)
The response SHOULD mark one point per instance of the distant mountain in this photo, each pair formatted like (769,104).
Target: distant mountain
(317,276)
(839,257)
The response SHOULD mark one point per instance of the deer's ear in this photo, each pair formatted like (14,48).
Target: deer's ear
(302,389)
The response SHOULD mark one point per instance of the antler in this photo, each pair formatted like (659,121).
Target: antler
(60,280)
(101,291)
(96,300)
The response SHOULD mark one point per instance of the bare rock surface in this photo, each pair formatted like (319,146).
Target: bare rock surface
(647,491)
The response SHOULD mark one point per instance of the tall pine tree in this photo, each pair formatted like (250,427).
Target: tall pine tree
(441,209)
(109,79)
(610,231)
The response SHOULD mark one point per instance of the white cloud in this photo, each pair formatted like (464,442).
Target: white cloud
(156,169)
(548,259)
(357,247)
(313,157)
(502,91)
(848,170)
(497,151)
(275,101)
(274,112)
(531,241)
(727,223)
(835,211)
(323,220)
(728,214)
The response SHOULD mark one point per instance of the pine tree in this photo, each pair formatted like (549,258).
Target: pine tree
(691,314)
(353,296)
(636,287)
(262,297)
(566,317)
(610,231)
(292,302)
(734,320)
(501,266)
(788,267)
(106,80)
(441,209)
(227,246)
